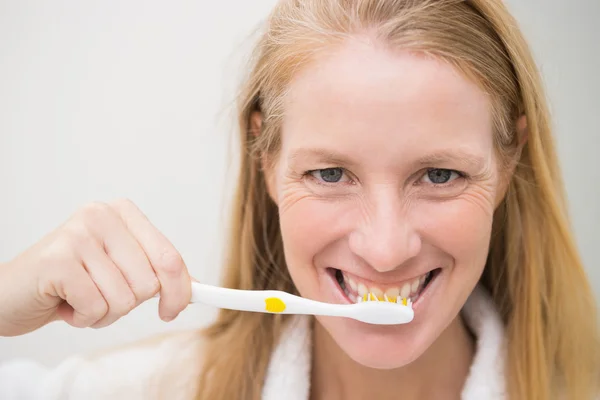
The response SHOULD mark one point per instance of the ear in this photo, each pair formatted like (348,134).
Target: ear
(522,132)
(255,123)
(267,166)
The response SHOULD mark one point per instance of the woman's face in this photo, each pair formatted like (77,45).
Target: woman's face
(386,182)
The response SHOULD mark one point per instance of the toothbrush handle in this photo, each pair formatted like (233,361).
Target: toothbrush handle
(256,301)
(232,299)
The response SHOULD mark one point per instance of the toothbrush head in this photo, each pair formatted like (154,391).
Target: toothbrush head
(382,312)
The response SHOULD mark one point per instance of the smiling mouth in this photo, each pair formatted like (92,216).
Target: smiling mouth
(357,290)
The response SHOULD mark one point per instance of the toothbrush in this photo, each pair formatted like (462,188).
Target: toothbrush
(371,310)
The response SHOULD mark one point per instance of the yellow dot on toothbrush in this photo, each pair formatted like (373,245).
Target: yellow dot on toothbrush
(404,302)
(274,305)
(392,299)
(364,297)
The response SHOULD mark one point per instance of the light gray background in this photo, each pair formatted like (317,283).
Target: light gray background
(108,99)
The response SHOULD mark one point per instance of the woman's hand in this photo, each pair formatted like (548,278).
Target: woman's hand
(99,265)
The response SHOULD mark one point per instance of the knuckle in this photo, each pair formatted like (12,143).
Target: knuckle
(76,235)
(86,321)
(93,212)
(123,204)
(170,262)
(98,310)
(56,261)
(125,208)
(95,208)
(146,289)
(129,304)
(56,255)
(149,288)
(124,306)
(104,322)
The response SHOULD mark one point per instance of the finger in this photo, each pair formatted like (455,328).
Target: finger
(110,282)
(129,257)
(172,273)
(84,304)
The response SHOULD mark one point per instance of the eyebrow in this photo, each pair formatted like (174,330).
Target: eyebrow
(441,157)
(446,156)
(321,154)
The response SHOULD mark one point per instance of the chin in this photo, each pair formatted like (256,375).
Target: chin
(379,347)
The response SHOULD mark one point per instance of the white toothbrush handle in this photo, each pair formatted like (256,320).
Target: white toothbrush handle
(256,300)
(278,302)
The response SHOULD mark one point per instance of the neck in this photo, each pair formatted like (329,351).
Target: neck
(445,363)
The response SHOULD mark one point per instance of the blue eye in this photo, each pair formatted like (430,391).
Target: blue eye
(439,176)
(329,175)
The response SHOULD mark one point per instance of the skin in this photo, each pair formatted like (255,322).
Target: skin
(92,270)
(382,119)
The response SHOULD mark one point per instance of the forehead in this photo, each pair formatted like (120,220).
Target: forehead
(362,94)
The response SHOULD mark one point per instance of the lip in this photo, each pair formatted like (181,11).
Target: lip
(428,290)
(336,289)
(418,304)
(384,285)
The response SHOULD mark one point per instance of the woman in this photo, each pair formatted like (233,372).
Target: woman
(397,147)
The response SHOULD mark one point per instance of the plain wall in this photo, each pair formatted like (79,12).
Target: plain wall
(110,99)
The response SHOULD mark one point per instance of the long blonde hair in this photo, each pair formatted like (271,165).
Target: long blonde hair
(533,273)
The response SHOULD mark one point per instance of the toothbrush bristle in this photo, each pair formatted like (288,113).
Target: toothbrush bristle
(384,298)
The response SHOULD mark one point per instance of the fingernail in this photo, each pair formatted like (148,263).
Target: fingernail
(169,318)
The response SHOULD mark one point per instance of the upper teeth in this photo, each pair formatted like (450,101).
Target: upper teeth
(407,290)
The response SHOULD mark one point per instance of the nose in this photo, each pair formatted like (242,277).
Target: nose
(385,238)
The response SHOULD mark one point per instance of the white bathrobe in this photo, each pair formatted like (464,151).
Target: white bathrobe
(167,368)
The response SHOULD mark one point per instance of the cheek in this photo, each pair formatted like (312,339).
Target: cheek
(308,226)
(301,227)
(460,227)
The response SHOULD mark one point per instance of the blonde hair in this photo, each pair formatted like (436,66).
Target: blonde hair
(533,273)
